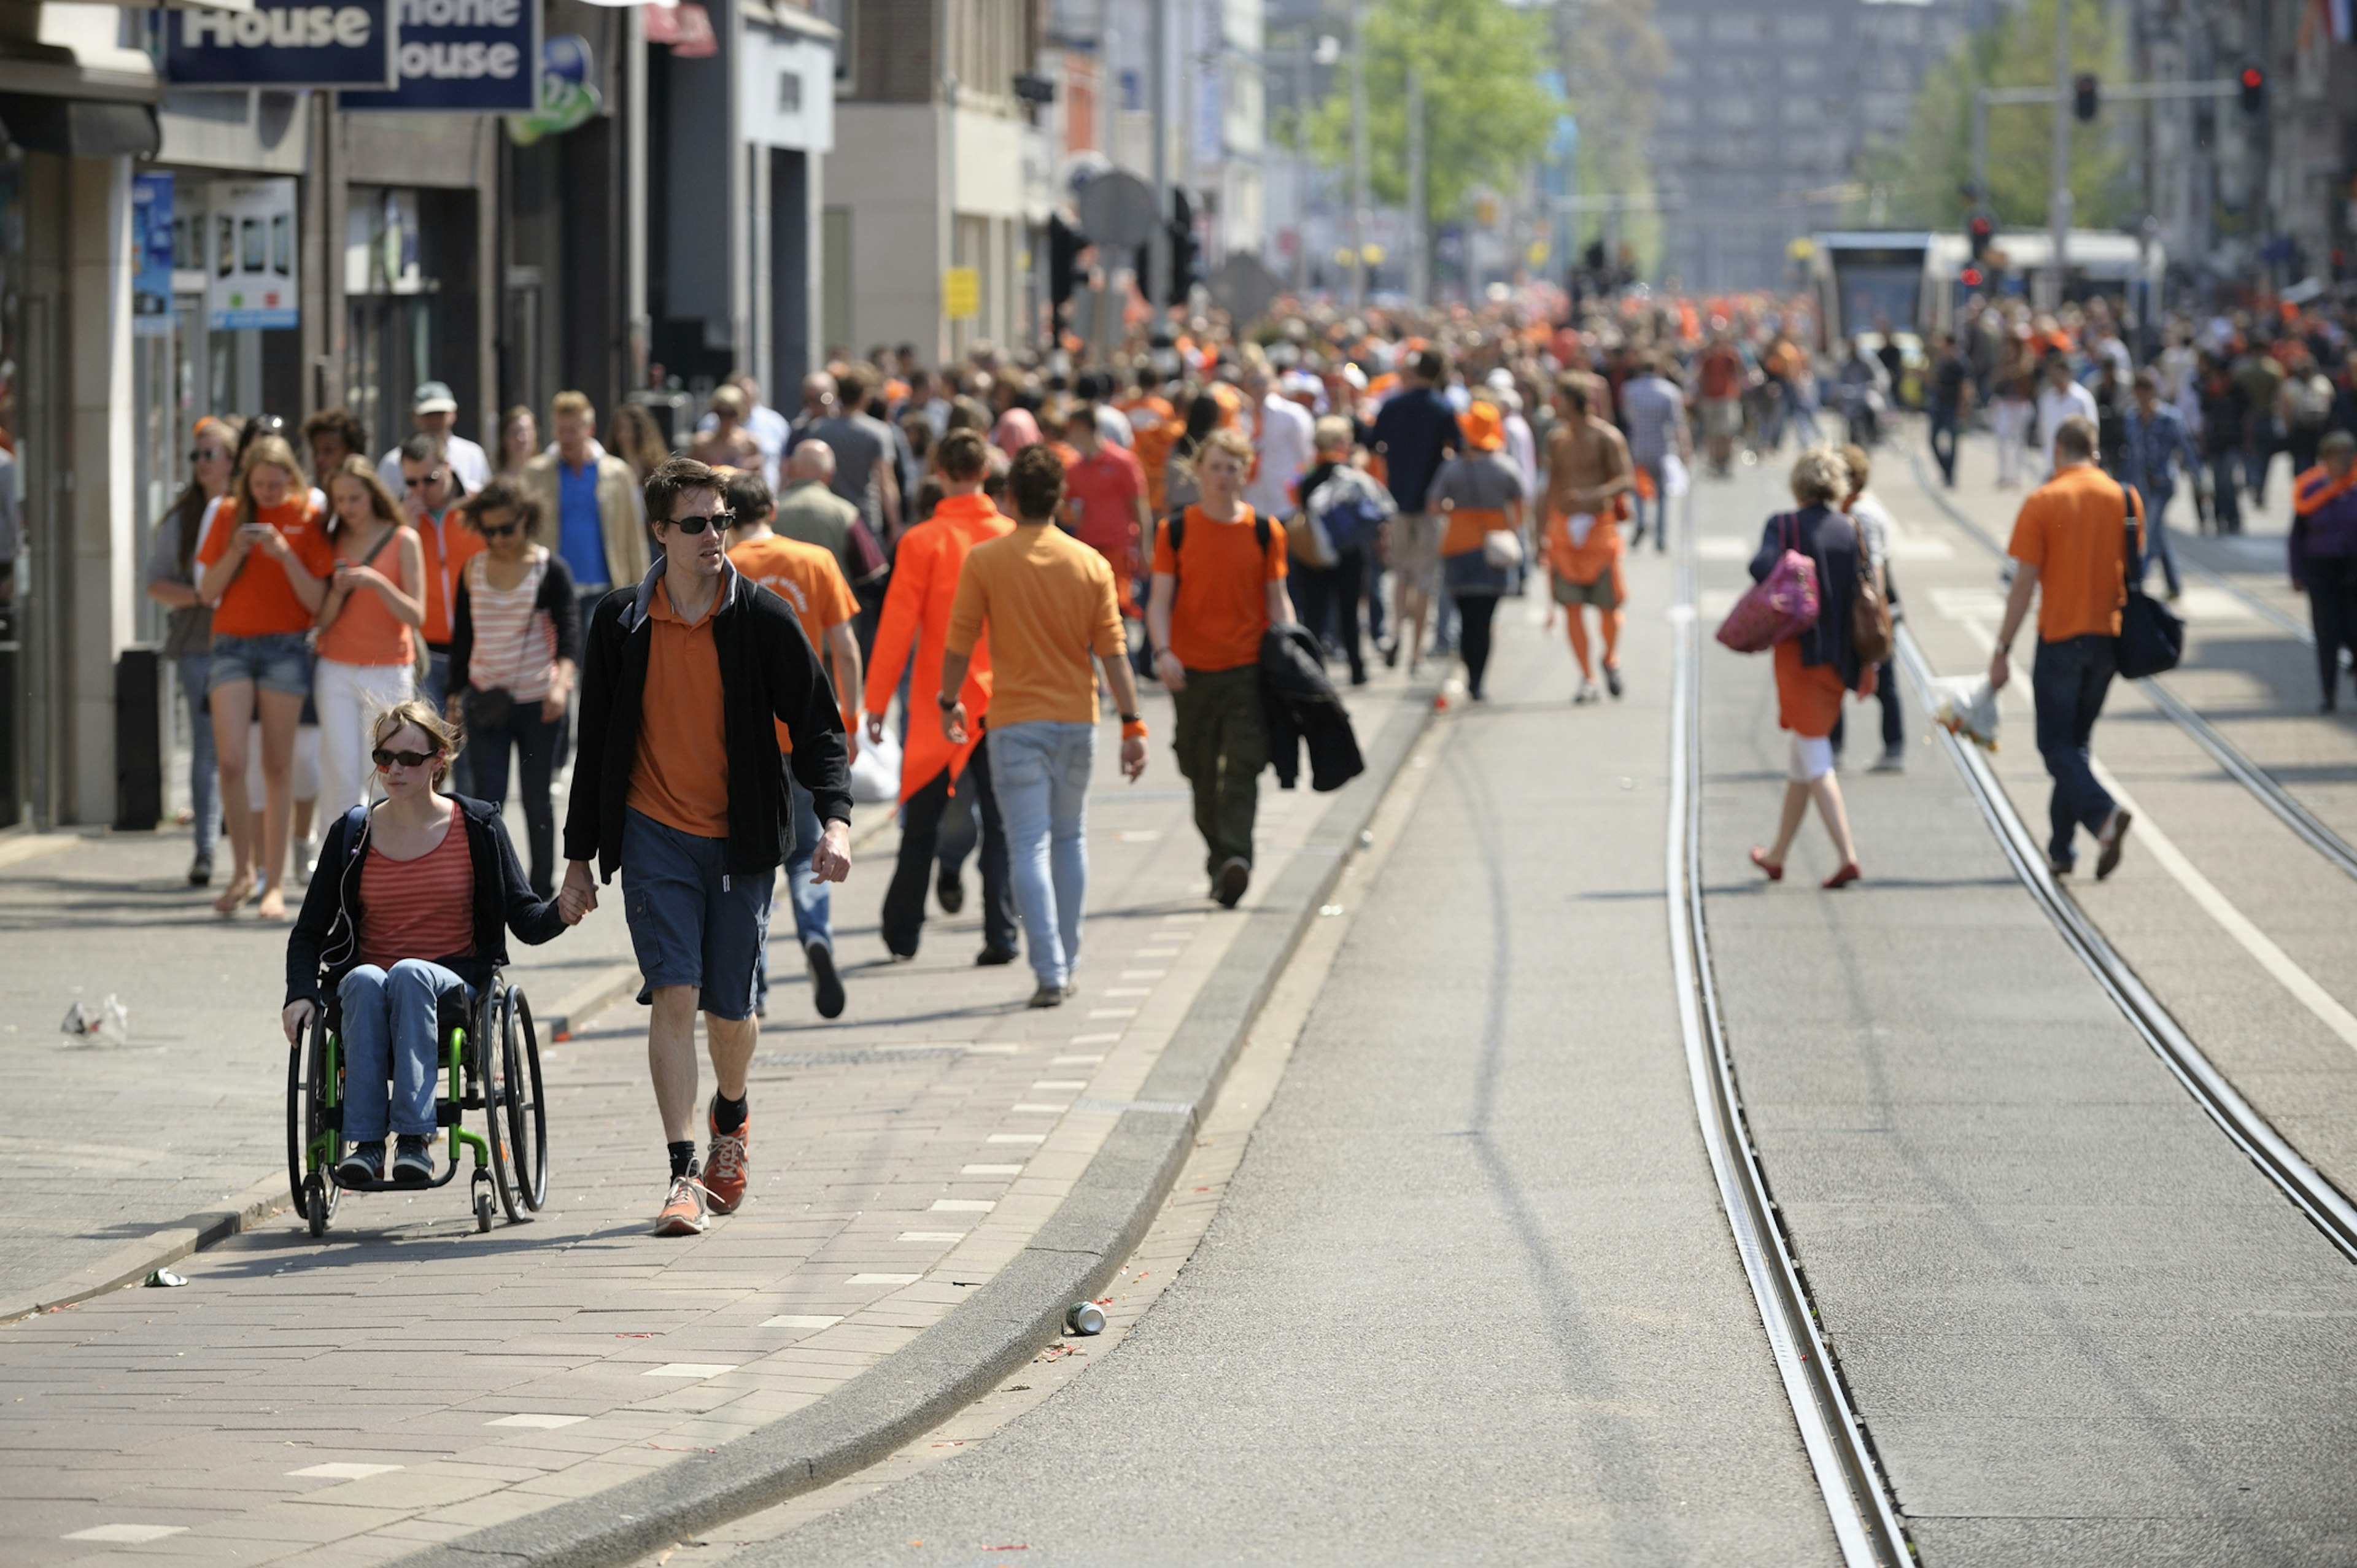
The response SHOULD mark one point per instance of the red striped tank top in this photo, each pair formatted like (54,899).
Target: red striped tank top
(419,908)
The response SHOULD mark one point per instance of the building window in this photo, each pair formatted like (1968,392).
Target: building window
(790,92)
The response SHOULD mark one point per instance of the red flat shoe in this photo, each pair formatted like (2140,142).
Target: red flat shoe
(1773,872)
(1844,876)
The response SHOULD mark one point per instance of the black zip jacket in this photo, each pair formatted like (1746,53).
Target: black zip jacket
(768,672)
(327,933)
(1300,707)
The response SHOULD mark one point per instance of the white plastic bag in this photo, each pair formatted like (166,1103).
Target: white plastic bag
(876,776)
(108,1024)
(1966,705)
(1674,479)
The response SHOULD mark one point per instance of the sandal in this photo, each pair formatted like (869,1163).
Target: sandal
(1844,876)
(274,905)
(1773,870)
(236,896)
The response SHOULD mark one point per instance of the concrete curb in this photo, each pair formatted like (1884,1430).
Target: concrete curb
(135,1260)
(1002,1326)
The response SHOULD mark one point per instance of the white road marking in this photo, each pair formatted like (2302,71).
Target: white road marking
(537,1422)
(130,1534)
(1017,1138)
(983,1170)
(970,1205)
(879,1280)
(799,1320)
(1041,1108)
(713,1369)
(1061,1083)
(345,1472)
(932,1235)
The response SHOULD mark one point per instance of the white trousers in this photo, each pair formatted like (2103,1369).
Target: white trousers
(2011,420)
(1812,758)
(349,697)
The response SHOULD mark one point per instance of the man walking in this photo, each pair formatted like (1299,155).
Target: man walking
(1656,415)
(600,526)
(1048,603)
(1589,476)
(913,635)
(862,447)
(1282,440)
(2062,398)
(1219,586)
(1950,400)
(808,579)
(434,410)
(2071,543)
(678,788)
(1413,431)
(2153,441)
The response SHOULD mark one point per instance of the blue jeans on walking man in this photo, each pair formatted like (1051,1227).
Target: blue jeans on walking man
(805,894)
(2070,679)
(2157,502)
(204,767)
(1657,469)
(388,1035)
(1040,770)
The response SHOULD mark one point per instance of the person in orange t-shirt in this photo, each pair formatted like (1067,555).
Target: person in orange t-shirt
(913,633)
(263,566)
(1153,427)
(2071,541)
(1218,589)
(811,581)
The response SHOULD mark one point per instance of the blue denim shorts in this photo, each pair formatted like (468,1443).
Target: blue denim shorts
(278,661)
(691,923)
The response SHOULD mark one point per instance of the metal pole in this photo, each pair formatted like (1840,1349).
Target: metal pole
(1108,88)
(1301,162)
(634,196)
(1980,147)
(2058,201)
(1358,292)
(1158,254)
(1419,266)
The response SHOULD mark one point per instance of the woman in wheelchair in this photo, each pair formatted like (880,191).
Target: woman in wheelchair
(412,901)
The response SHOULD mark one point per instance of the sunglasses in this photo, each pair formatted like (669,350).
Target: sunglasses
(724,520)
(502,531)
(208,455)
(422,482)
(385,760)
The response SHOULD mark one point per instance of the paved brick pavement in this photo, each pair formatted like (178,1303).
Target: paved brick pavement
(901,1154)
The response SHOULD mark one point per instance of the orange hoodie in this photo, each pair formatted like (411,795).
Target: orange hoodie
(917,610)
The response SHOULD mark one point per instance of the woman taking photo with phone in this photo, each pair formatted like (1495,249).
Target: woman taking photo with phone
(368,627)
(515,643)
(263,570)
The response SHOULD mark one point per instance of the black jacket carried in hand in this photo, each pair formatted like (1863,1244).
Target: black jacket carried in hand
(768,672)
(327,933)
(1300,705)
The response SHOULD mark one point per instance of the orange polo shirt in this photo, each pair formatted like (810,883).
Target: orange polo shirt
(681,777)
(808,578)
(914,627)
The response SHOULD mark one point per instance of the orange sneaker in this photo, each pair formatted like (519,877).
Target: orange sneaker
(683,1212)
(725,1167)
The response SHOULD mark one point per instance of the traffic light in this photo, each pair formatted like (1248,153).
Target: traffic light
(2254,89)
(1184,266)
(1979,231)
(2083,97)
(1064,243)
(1971,277)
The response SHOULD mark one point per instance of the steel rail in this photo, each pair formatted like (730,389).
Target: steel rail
(1857,1497)
(2301,1182)
(2237,765)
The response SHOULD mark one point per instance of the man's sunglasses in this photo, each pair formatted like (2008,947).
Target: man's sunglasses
(385,760)
(723,520)
(424,479)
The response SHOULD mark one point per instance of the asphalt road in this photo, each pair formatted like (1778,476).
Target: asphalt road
(1470,1298)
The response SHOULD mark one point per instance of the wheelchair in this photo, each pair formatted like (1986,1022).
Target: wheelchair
(490,1061)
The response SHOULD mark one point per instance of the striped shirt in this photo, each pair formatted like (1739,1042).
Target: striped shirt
(1656,412)
(419,908)
(515,640)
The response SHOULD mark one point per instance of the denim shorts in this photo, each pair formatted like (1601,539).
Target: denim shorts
(276,662)
(691,923)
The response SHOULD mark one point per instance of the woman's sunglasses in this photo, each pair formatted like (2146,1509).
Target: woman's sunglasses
(385,760)
(502,531)
(207,454)
(723,520)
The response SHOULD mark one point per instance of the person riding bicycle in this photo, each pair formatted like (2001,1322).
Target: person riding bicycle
(407,906)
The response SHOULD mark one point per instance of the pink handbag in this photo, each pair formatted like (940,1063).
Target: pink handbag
(1782,605)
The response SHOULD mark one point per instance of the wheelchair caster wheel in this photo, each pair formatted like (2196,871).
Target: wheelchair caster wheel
(483,1212)
(317,1205)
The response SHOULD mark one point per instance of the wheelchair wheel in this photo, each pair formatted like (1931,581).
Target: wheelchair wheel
(527,1103)
(490,1067)
(307,1122)
(318,1203)
(298,1094)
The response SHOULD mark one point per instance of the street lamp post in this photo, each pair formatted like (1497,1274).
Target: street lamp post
(1358,294)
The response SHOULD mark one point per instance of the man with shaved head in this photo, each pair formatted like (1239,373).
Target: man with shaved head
(862,447)
(810,511)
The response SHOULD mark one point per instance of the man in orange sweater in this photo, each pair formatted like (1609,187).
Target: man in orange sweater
(1049,605)
(915,622)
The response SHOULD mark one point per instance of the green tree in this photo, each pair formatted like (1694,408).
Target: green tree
(1487,115)
(1922,178)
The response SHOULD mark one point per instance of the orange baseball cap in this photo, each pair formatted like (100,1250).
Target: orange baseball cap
(1484,431)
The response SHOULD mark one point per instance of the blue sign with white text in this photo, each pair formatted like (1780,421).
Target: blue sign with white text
(151,244)
(480,57)
(349,44)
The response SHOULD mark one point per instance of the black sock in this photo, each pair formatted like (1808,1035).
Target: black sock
(683,1160)
(727,1115)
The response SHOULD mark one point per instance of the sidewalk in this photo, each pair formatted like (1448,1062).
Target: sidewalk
(408,1381)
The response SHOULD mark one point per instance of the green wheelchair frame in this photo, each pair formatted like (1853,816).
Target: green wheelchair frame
(490,1062)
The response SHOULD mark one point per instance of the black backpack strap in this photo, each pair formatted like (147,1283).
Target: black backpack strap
(2129,500)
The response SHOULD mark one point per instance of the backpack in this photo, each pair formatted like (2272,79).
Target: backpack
(1350,519)
(1175,528)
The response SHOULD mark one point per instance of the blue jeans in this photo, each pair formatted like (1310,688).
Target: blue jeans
(538,742)
(204,767)
(693,922)
(389,1034)
(435,691)
(813,916)
(2070,681)
(1943,443)
(1660,506)
(2226,490)
(1040,771)
(2156,510)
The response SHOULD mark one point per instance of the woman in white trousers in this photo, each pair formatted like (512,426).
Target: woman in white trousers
(367,629)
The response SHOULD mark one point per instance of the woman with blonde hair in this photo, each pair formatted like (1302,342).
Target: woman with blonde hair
(1818,666)
(368,625)
(261,569)
(413,900)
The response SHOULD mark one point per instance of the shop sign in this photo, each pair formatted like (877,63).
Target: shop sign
(349,44)
(251,275)
(568,92)
(151,246)
(477,57)
(962,292)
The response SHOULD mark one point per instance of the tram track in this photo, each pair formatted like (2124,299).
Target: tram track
(2237,765)
(1857,1492)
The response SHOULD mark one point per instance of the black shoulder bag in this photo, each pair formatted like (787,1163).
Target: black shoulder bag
(2152,636)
